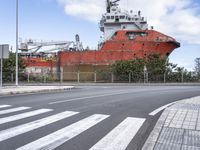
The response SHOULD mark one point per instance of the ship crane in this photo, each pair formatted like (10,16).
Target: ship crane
(31,46)
(34,47)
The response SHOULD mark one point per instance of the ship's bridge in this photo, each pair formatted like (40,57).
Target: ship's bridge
(114,19)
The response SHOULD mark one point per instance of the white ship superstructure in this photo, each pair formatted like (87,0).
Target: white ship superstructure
(114,19)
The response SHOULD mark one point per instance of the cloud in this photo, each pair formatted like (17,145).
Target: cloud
(178,18)
(86,9)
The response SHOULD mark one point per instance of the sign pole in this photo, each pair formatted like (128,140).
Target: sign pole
(1,67)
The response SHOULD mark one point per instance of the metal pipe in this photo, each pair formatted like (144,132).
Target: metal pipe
(16,77)
(1,68)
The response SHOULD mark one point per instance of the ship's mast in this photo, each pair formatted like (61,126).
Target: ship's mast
(110,3)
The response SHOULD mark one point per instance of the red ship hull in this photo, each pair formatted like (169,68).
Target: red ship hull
(122,48)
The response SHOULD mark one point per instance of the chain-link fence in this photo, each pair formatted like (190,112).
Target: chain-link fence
(101,77)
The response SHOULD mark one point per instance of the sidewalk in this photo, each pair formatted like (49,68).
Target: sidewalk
(178,127)
(10,90)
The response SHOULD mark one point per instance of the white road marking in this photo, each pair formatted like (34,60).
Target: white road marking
(4,106)
(12,132)
(88,97)
(13,110)
(59,137)
(153,113)
(23,115)
(120,136)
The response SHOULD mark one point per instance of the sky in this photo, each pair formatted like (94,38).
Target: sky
(62,19)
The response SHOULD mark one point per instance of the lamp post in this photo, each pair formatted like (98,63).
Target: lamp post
(16,77)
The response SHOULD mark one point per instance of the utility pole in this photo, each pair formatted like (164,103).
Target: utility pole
(16,77)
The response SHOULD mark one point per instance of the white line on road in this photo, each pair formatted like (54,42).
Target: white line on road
(59,137)
(153,113)
(12,132)
(13,110)
(120,136)
(23,115)
(4,106)
(88,97)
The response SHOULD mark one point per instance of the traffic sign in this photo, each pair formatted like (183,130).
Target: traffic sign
(4,51)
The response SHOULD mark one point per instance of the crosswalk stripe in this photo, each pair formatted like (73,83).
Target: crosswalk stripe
(23,115)
(12,132)
(4,106)
(153,113)
(13,110)
(120,136)
(59,137)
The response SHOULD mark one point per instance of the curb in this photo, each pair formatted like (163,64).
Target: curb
(35,91)
(151,140)
(176,126)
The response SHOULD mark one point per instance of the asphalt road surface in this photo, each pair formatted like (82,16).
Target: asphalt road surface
(87,117)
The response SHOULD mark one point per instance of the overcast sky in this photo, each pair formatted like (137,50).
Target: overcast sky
(62,19)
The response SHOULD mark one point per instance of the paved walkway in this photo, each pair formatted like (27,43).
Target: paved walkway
(8,90)
(178,127)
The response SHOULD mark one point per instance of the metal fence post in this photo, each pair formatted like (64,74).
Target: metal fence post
(164,77)
(61,77)
(145,74)
(95,77)
(78,77)
(129,77)
(12,78)
(182,78)
(112,77)
(28,77)
(147,77)
(45,80)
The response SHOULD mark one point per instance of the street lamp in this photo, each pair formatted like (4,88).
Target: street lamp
(16,77)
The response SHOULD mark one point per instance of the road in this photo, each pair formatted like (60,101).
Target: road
(87,117)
